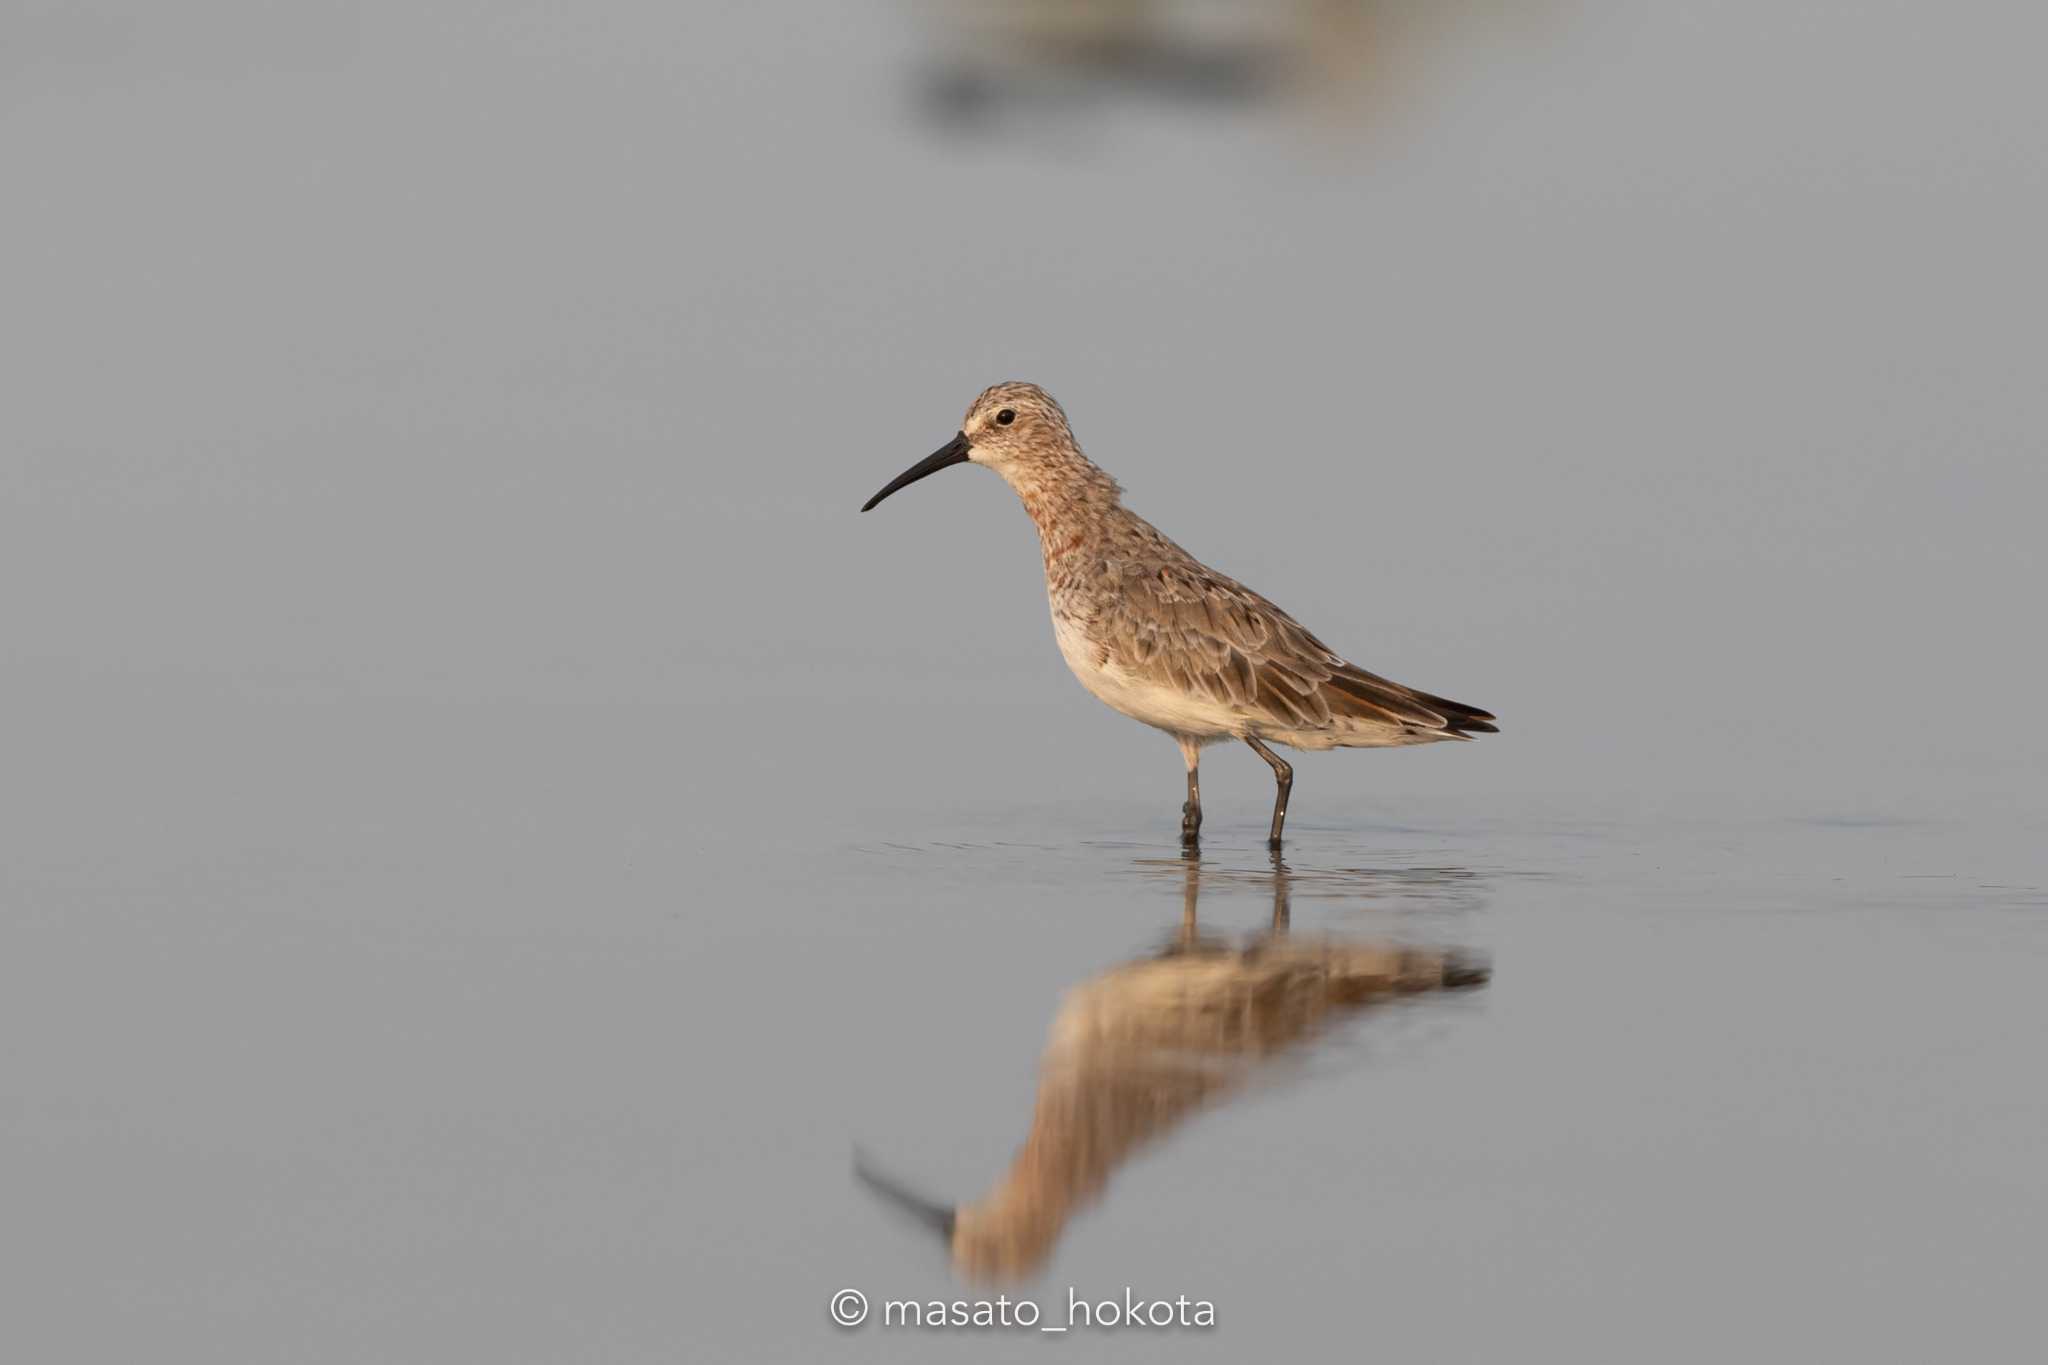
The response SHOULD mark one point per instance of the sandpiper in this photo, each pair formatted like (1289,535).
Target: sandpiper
(1158,635)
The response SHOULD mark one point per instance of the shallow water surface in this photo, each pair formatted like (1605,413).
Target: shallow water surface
(1770,1075)
(491,830)
(490,1065)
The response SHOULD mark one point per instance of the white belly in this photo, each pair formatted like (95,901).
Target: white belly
(1156,704)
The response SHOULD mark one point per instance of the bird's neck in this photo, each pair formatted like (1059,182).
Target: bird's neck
(1064,495)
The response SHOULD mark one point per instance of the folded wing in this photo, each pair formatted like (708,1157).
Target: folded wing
(1188,628)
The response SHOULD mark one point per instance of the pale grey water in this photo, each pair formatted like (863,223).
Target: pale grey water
(489,828)
(483,1076)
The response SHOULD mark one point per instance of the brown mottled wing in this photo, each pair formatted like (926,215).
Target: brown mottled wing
(1187,628)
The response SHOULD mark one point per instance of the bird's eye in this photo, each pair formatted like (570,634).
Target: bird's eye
(1005,417)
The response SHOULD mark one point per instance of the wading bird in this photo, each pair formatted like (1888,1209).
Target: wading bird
(1158,635)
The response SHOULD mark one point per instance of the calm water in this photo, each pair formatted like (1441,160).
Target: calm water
(488,831)
(476,1068)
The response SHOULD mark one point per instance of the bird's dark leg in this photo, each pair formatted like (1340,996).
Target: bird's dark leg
(1191,811)
(1283,778)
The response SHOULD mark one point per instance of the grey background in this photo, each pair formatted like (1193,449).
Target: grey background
(467,762)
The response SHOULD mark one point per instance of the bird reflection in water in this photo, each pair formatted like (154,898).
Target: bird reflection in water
(1146,1045)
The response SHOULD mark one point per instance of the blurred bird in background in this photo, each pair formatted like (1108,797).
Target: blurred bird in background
(996,61)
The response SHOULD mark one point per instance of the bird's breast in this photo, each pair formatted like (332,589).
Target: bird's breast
(1080,628)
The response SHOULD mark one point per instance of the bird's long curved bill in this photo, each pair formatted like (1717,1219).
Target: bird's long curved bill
(951,453)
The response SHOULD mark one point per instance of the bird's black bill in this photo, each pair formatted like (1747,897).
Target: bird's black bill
(952,452)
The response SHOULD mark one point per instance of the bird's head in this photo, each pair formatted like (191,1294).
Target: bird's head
(1013,428)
